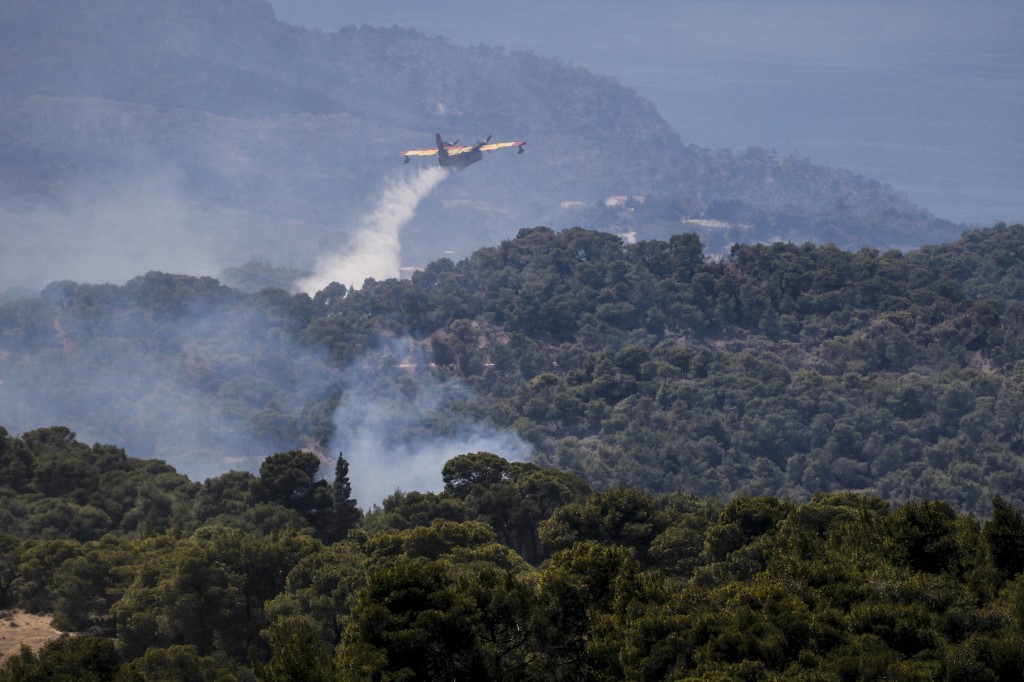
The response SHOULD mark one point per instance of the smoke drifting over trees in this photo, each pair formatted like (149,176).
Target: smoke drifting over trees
(801,389)
(209,379)
(398,424)
(781,369)
(191,136)
(171,367)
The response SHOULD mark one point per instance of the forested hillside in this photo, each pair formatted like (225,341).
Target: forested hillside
(168,366)
(779,459)
(512,572)
(191,136)
(784,370)
(781,369)
(766,466)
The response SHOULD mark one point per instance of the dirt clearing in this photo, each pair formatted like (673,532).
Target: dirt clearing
(18,627)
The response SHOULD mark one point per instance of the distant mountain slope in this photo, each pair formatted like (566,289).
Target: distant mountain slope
(264,139)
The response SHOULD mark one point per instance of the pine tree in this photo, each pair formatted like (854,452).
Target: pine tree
(344,510)
(1005,537)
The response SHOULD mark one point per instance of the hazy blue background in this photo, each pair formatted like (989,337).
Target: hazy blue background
(927,96)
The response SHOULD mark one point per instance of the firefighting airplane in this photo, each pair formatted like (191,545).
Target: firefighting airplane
(453,155)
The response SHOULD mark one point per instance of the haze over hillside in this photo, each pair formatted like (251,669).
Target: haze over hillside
(626,453)
(922,94)
(190,136)
(783,370)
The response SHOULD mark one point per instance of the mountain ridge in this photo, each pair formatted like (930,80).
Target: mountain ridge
(259,124)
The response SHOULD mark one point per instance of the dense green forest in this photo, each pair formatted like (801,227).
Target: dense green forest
(793,462)
(512,572)
(780,369)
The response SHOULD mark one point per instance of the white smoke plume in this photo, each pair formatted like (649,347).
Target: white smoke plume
(397,425)
(375,249)
(219,386)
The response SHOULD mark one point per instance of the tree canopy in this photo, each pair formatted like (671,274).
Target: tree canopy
(514,572)
(795,462)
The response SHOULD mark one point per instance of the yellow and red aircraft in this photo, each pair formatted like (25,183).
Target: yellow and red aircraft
(451,154)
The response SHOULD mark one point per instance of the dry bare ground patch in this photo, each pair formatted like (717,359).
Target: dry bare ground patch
(18,627)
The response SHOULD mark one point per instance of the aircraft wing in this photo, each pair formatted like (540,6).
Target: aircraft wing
(500,145)
(461,149)
(421,152)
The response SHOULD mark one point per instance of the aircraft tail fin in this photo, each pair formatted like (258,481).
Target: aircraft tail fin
(440,142)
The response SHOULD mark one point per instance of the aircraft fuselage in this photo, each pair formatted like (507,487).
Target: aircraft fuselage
(460,161)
